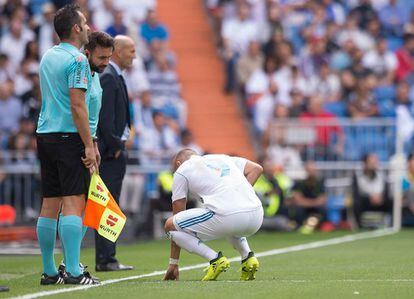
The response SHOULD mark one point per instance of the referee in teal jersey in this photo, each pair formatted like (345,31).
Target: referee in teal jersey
(98,51)
(65,146)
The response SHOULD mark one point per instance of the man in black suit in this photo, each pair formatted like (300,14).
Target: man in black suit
(113,131)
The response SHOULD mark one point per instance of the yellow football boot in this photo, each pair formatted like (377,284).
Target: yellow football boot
(249,267)
(218,265)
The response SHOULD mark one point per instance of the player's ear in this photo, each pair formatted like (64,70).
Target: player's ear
(87,53)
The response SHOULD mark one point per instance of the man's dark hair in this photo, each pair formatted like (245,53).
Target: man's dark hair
(65,19)
(99,38)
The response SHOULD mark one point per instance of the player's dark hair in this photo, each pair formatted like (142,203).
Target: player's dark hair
(101,39)
(65,18)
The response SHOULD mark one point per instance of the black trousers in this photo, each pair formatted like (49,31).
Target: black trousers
(112,172)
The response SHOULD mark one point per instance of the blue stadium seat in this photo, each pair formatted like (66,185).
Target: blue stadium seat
(394,43)
(386,108)
(384,93)
(338,108)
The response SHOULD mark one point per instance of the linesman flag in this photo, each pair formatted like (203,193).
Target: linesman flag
(102,212)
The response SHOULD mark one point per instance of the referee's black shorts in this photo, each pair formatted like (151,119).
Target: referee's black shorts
(61,167)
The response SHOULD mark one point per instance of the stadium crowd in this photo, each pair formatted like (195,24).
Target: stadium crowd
(321,63)
(322,59)
(301,59)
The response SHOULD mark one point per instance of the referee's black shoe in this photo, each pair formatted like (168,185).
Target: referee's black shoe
(81,279)
(62,268)
(49,280)
(4,289)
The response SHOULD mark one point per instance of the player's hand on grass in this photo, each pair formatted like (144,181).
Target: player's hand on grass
(172,273)
(90,159)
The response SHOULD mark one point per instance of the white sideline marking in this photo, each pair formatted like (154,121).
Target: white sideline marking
(312,245)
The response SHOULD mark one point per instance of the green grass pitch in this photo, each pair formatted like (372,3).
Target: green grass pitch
(381,267)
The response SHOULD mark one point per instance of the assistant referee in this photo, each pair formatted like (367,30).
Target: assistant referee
(63,138)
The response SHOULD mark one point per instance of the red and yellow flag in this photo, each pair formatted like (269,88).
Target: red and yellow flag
(102,212)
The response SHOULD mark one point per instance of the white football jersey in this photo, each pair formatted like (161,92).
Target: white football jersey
(219,181)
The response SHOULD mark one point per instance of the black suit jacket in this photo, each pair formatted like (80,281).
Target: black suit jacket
(114,115)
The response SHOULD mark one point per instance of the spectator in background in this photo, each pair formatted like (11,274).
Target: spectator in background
(309,199)
(382,62)
(160,142)
(156,48)
(10,109)
(364,12)
(271,28)
(369,188)
(351,31)
(409,26)
(326,84)
(260,83)
(117,27)
(335,12)
(236,34)
(405,57)
(298,105)
(103,14)
(392,18)
(157,145)
(357,68)
(13,43)
(312,56)
(405,114)
(22,81)
(330,139)
(152,29)
(46,36)
(163,78)
(136,79)
(249,62)
(6,72)
(408,192)
(32,99)
(277,151)
(31,52)
(187,141)
(362,103)
(143,110)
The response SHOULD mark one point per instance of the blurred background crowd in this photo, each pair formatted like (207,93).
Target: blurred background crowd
(329,62)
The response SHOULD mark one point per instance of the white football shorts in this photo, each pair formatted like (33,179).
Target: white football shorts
(207,225)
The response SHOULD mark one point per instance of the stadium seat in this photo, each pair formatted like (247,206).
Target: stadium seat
(338,108)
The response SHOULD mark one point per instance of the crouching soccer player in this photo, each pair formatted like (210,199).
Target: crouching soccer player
(231,210)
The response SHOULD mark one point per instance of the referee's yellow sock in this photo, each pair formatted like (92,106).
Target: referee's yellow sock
(71,235)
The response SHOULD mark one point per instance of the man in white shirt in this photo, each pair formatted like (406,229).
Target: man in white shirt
(382,62)
(236,34)
(14,42)
(231,210)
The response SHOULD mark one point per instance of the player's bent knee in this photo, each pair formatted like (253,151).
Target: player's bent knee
(169,225)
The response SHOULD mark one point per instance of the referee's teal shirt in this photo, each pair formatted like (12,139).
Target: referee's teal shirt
(94,96)
(61,68)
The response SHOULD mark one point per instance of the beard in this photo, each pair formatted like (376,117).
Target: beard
(97,68)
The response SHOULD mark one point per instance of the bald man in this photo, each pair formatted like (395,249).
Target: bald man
(113,130)
(230,210)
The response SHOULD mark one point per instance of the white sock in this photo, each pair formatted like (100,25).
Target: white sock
(192,244)
(241,245)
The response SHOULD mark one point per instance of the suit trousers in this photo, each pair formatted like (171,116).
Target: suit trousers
(112,172)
